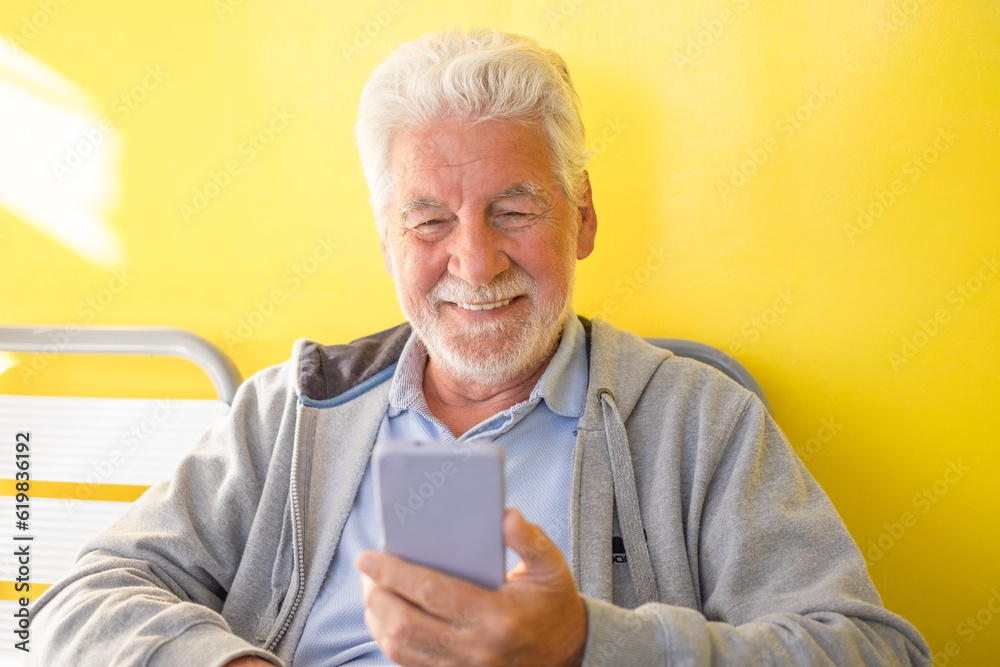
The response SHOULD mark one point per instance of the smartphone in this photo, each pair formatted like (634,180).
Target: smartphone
(441,506)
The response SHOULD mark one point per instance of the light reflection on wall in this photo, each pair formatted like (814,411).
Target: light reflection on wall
(7,361)
(59,160)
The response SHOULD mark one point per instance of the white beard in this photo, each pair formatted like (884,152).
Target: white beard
(495,352)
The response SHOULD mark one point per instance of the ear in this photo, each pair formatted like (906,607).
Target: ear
(588,222)
(386,257)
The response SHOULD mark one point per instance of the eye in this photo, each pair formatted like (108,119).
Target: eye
(430,230)
(514,219)
(432,224)
(509,216)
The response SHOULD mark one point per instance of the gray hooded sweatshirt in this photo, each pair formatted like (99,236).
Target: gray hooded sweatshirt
(733,553)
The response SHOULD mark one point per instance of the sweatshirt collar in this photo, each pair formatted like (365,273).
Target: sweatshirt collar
(563,385)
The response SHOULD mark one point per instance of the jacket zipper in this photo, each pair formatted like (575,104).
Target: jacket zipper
(297,529)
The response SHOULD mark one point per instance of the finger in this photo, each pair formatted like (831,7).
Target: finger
(538,553)
(436,593)
(405,633)
(366,587)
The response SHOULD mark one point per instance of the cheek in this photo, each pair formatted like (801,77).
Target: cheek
(548,263)
(417,278)
(557,279)
(414,268)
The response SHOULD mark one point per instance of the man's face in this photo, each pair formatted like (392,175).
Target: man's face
(482,244)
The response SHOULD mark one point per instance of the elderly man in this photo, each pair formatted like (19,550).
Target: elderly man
(474,151)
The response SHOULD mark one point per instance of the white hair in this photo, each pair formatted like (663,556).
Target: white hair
(471,77)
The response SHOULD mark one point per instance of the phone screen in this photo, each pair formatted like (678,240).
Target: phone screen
(441,506)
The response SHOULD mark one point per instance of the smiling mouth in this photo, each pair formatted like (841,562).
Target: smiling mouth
(483,306)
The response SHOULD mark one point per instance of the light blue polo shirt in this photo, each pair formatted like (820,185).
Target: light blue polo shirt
(537,437)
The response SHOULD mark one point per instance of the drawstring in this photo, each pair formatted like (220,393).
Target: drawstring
(627,498)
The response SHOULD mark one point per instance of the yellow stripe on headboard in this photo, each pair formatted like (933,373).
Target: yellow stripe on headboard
(7,591)
(123,493)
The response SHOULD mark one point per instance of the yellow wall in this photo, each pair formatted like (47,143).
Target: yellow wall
(859,104)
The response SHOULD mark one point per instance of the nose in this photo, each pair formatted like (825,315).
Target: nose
(478,252)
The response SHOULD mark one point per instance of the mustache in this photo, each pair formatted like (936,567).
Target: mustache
(507,285)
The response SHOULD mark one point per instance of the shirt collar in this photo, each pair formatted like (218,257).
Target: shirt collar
(563,385)
(406,391)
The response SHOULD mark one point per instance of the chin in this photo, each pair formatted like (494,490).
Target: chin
(493,353)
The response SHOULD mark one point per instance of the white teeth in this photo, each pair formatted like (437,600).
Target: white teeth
(483,306)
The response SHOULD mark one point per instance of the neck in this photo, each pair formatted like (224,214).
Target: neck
(461,405)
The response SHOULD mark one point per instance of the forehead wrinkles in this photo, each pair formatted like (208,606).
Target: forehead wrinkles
(453,161)
(450,155)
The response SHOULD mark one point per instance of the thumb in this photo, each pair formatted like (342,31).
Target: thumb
(539,555)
